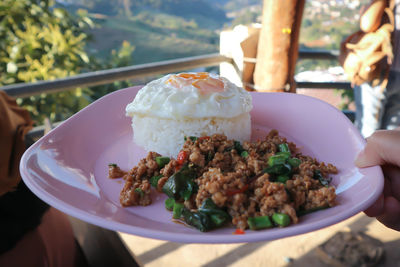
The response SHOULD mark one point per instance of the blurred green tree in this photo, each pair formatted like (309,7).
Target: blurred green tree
(41,42)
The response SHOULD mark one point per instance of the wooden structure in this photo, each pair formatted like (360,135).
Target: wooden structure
(277,48)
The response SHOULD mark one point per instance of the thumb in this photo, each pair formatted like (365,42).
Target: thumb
(383,147)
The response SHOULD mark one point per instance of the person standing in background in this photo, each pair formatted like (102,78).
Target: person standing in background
(378,105)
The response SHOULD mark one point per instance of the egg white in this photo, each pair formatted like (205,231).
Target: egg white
(162,99)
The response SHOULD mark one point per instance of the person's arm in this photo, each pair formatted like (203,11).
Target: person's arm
(383,148)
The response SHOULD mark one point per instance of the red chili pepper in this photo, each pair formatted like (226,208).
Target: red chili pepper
(182,156)
(178,167)
(238,191)
(239,232)
(204,138)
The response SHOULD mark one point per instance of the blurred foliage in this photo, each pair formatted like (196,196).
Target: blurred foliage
(247,17)
(206,13)
(118,58)
(347,98)
(41,42)
(165,21)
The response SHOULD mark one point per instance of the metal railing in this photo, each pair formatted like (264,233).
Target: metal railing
(151,70)
(112,75)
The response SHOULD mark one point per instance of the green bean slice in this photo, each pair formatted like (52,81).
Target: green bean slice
(177,210)
(169,203)
(259,222)
(281,219)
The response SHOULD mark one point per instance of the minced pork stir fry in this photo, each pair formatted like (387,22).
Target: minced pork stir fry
(215,182)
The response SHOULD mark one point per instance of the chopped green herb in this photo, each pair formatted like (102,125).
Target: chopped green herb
(162,161)
(244,154)
(218,219)
(190,188)
(112,165)
(318,176)
(278,169)
(217,215)
(210,156)
(154,180)
(209,216)
(169,203)
(181,183)
(139,191)
(278,158)
(193,138)
(238,147)
(294,162)
(198,220)
(284,147)
(282,178)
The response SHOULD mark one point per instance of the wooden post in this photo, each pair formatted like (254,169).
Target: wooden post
(278,46)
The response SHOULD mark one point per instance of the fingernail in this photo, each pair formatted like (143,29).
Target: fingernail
(360,158)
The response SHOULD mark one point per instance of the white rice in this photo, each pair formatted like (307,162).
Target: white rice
(166,136)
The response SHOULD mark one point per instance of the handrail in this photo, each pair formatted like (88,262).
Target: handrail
(319,54)
(116,74)
(152,69)
(307,54)
(325,85)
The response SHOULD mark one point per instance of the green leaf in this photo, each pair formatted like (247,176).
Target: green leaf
(180,183)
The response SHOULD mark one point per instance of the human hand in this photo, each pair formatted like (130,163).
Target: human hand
(383,148)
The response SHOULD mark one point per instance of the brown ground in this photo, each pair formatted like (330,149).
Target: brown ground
(292,251)
(329,96)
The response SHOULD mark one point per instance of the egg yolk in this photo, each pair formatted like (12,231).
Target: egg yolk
(201,80)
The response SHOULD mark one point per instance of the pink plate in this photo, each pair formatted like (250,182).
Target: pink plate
(68,169)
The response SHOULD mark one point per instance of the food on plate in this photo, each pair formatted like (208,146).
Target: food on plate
(188,104)
(215,181)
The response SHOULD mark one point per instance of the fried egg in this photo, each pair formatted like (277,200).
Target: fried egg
(190,95)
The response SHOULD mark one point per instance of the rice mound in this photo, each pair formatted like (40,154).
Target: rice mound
(175,106)
(166,136)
